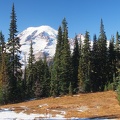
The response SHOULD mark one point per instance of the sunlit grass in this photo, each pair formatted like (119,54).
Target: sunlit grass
(81,105)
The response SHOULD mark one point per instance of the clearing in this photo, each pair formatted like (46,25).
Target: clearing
(102,105)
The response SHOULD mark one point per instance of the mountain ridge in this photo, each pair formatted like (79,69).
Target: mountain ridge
(44,40)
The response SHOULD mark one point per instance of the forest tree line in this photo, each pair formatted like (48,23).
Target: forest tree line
(89,68)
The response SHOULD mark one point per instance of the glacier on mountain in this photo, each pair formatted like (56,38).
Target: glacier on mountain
(44,40)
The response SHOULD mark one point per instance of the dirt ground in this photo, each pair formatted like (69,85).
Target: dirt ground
(91,105)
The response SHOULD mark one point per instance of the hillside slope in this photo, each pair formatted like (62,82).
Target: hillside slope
(92,105)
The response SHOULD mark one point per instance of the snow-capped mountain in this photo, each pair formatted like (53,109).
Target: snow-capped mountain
(44,40)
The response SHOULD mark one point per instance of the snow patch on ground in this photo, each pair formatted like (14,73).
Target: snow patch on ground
(82,108)
(9,114)
(60,111)
(43,105)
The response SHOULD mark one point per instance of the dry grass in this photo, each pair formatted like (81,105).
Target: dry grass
(100,104)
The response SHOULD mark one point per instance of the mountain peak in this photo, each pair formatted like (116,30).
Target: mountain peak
(35,31)
(43,28)
(44,40)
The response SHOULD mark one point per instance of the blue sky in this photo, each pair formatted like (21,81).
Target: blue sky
(81,15)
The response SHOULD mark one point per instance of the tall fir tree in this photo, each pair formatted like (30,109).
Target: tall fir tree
(66,64)
(117,51)
(14,65)
(80,68)
(56,67)
(117,61)
(86,65)
(94,65)
(102,51)
(75,64)
(111,61)
(24,79)
(62,67)
(117,40)
(31,72)
(4,84)
(46,79)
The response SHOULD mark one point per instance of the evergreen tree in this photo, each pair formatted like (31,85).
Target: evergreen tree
(117,61)
(66,64)
(94,65)
(4,84)
(39,85)
(62,67)
(102,51)
(111,60)
(80,76)
(80,69)
(117,41)
(56,67)
(14,65)
(24,80)
(86,65)
(42,79)
(75,64)
(117,51)
(46,79)
(31,72)
(2,46)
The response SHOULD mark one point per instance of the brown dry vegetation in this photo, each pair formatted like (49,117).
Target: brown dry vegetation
(91,105)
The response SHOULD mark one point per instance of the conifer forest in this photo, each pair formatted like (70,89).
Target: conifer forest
(88,68)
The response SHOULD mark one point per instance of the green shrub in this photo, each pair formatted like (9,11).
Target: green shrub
(118,93)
